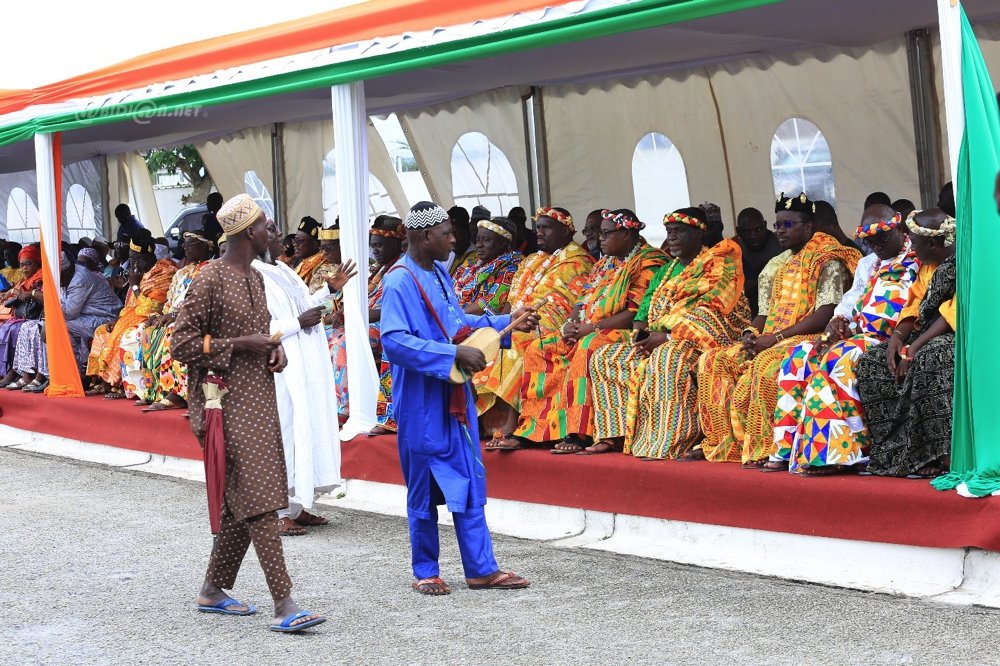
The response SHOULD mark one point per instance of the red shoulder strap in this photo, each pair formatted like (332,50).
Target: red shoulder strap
(427,300)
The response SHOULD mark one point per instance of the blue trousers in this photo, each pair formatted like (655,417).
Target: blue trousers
(474,544)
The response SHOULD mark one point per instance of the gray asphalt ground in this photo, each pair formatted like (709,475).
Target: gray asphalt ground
(101,566)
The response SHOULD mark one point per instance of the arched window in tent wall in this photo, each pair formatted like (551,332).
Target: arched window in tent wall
(80,218)
(258,191)
(659,182)
(481,175)
(801,161)
(379,202)
(22,217)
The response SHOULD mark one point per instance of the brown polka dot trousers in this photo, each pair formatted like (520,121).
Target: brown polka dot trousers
(231,546)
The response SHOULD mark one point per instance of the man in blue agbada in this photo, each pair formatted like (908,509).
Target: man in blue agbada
(438,436)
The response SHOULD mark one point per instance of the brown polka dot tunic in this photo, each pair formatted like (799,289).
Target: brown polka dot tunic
(225,304)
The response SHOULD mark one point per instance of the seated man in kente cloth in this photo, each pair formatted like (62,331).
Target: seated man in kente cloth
(906,383)
(818,426)
(555,395)
(738,385)
(643,387)
(558,271)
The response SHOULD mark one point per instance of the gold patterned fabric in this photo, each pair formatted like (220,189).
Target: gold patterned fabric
(737,395)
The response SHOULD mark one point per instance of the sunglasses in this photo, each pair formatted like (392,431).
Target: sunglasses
(785,224)
(607,234)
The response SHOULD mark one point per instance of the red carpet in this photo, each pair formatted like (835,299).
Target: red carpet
(99,421)
(898,511)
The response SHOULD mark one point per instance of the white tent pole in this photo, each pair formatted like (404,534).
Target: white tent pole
(350,122)
(950,26)
(45,170)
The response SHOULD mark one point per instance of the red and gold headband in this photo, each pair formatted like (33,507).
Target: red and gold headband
(623,220)
(880,226)
(681,218)
(558,216)
(399,233)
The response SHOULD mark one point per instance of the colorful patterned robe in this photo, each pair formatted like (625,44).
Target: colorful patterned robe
(487,285)
(308,266)
(737,394)
(910,422)
(818,419)
(155,374)
(337,342)
(556,396)
(107,358)
(652,402)
(561,277)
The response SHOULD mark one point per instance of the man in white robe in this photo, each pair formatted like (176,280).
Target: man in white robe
(307,405)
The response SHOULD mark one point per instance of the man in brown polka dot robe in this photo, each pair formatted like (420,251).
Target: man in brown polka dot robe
(222,328)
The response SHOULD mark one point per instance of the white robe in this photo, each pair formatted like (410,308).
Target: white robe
(307,404)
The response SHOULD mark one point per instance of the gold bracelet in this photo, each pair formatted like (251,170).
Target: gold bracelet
(206,345)
(751,330)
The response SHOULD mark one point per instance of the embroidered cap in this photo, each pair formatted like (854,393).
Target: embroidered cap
(424,215)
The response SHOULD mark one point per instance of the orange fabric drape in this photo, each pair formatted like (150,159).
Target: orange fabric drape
(64,378)
(341,26)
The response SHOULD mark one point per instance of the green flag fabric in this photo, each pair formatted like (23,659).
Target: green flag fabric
(975,437)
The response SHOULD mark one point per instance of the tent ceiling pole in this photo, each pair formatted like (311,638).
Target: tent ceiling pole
(926,128)
(278,182)
(537,147)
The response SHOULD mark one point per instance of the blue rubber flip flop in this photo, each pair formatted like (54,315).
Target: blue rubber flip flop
(223,608)
(286,626)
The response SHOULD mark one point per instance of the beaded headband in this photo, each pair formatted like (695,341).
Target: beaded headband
(558,216)
(495,228)
(681,218)
(879,226)
(623,220)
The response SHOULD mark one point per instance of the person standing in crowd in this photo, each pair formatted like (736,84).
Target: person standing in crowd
(759,245)
(558,271)
(825,221)
(307,408)
(463,249)
(645,396)
(906,383)
(818,427)
(438,436)
(592,234)
(738,385)
(128,226)
(556,401)
(482,287)
(223,328)
(307,253)
(526,241)
(210,227)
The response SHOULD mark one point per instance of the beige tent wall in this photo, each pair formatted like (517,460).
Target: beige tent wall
(433,132)
(129,183)
(306,145)
(229,157)
(592,131)
(860,100)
